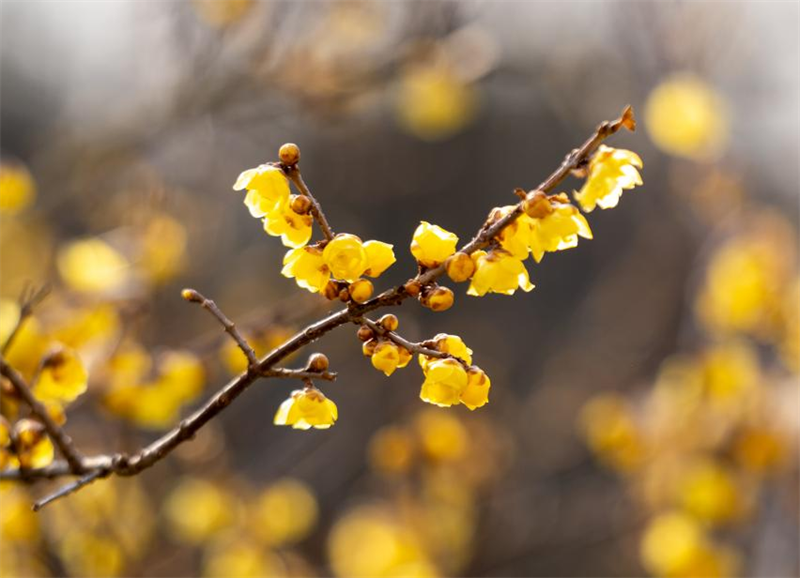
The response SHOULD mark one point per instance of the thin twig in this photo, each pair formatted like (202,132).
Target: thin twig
(60,438)
(228,325)
(69,488)
(293,172)
(29,300)
(416,348)
(299,374)
(129,465)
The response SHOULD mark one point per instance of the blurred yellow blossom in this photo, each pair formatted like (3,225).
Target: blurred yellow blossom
(610,172)
(239,557)
(62,377)
(17,187)
(433,102)
(92,555)
(686,117)
(608,424)
(432,245)
(285,512)
(196,509)
(391,450)
(94,266)
(498,272)
(443,437)
(18,523)
(162,247)
(307,408)
(671,544)
(709,491)
(33,448)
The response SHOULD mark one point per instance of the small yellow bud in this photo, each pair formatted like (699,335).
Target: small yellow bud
(389,322)
(365,333)
(460,267)
(318,363)
(307,408)
(412,287)
(537,205)
(191,295)
(438,299)
(289,153)
(344,295)
(360,290)
(300,204)
(331,290)
(369,347)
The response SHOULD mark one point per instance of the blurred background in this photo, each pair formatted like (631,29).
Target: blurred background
(644,409)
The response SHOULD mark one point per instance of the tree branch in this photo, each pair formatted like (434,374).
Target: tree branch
(416,348)
(230,328)
(293,172)
(129,465)
(29,300)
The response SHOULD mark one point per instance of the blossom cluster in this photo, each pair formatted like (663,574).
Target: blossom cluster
(337,267)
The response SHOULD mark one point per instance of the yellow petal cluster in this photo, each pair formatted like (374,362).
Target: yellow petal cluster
(346,257)
(451,381)
(380,256)
(307,408)
(450,344)
(267,190)
(557,230)
(307,267)
(498,272)
(387,356)
(62,379)
(33,448)
(477,392)
(293,229)
(610,172)
(432,245)
(445,381)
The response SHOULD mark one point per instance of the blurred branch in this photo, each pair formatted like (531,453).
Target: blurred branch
(129,465)
(29,300)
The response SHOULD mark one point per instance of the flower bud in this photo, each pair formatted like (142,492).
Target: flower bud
(360,290)
(389,322)
(369,347)
(344,295)
(300,204)
(331,290)
(460,267)
(365,333)
(318,363)
(412,287)
(537,205)
(438,299)
(289,153)
(191,295)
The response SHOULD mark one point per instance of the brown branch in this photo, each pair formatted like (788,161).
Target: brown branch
(416,348)
(69,488)
(293,172)
(129,465)
(230,328)
(60,438)
(299,374)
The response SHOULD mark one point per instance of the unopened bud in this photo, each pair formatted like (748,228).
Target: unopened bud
(460,267)
(300,204)
(365,333)
(318,363)
(360,290)
(289,153)
(389,322)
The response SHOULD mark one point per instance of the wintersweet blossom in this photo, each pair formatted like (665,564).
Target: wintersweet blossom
(307,408)
(610,172)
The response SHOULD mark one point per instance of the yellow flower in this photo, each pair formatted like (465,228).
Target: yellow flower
(307,408)
(346,257)
(34,448)
(62,379)
(686,117)
(293,229)
(498,272)
(17,188)
(380,256)
(516,237)
(558,230)
(432,245)
(92,265)
(389,356)
(477,393)
(360,290)
(709,491)
(610,172)
(450,344)
(445,381)
(268,190)
(307,266)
